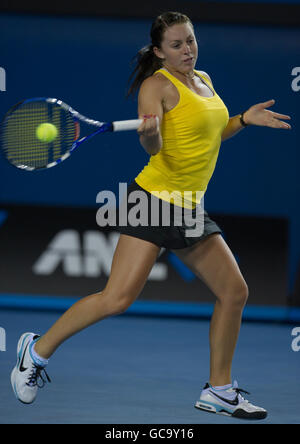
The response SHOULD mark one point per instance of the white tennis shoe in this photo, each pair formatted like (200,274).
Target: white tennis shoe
(26,377)
(229,402)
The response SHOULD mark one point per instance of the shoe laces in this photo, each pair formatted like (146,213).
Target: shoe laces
(239,391)
(36,378)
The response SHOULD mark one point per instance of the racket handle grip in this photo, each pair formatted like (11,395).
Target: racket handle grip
(127,125)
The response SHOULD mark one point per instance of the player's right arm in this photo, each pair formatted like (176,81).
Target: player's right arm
(150,109)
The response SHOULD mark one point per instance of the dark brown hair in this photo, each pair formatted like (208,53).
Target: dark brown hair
(146,62)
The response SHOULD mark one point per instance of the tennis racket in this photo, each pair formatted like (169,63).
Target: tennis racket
(24,149)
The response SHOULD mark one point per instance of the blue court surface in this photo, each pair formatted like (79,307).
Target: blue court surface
(143,370)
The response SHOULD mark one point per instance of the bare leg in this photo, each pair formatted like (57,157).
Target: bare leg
(212,260)
(132,263)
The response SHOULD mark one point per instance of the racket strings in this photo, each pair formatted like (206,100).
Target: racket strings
(19,140)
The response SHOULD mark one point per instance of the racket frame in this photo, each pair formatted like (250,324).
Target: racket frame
(102,127)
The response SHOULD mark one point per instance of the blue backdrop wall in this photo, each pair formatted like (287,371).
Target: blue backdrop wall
(86,63)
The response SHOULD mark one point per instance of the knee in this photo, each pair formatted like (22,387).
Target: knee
(118,302)
(236,295)
(122,304)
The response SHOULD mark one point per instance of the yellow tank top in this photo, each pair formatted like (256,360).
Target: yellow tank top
(191,134)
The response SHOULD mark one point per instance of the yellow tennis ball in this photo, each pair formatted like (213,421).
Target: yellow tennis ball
(46,132)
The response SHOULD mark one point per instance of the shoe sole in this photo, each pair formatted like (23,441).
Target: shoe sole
(15,369)
(239,413)
(212,409)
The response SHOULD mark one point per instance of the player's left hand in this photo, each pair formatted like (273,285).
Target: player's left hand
(260,116)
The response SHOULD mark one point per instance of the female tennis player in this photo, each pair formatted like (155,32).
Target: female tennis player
(184,123)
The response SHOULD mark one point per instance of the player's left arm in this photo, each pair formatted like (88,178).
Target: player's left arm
(256,115)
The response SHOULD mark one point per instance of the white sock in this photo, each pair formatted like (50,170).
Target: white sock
(222,391)
(37,359)
(222,387)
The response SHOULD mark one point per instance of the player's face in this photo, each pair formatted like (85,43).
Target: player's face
(179,48)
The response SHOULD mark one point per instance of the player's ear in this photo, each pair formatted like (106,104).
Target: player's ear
(159,54)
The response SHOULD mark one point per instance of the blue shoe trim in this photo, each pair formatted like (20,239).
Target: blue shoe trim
(218,407)
(21,349)
(41,363)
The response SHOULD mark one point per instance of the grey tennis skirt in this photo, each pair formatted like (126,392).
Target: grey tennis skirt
(181,231)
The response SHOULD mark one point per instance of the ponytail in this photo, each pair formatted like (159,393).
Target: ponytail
(146,63)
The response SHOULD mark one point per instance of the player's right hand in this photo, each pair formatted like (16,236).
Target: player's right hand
(149,126)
